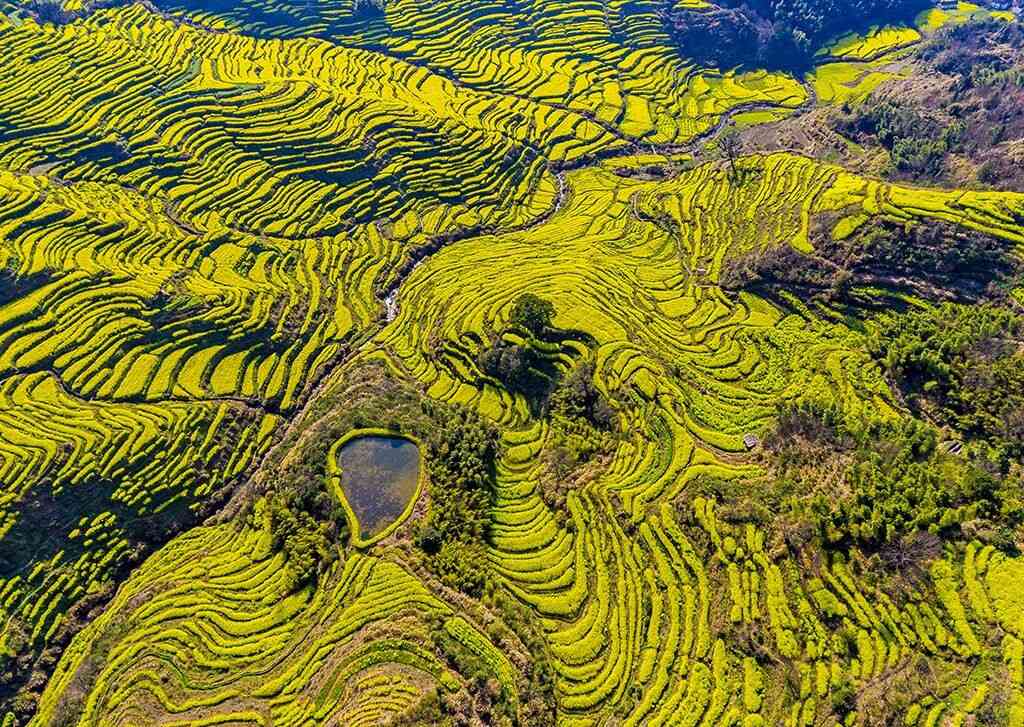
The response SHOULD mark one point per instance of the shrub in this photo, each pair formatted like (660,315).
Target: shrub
(532,313)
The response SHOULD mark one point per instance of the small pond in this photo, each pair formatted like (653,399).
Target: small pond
(378,477)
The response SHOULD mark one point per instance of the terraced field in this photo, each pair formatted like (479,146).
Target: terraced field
(628,616)
(215,219)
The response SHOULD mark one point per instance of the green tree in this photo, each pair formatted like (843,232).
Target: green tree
(532,312)
(461,462)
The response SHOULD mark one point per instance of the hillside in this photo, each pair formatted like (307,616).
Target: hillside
(704,320)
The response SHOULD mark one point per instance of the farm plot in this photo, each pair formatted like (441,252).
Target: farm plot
(343,136)
(126,305)
(612,63)
(201,635)
(145,363)
(103,473)
(852,67)
(631,599)
(634,265)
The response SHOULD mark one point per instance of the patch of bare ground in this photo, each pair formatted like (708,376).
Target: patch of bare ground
(811,135)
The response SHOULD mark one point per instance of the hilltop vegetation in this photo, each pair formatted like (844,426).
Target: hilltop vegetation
(782,34)
(962,366)
(715,374)
(936,102)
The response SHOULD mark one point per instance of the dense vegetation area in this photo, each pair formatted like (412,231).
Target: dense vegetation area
(962,367)
(972,112)
(778,34)
(308,542)
(462,453)
(958,365)
(881,262)
(877,483)
(917,145)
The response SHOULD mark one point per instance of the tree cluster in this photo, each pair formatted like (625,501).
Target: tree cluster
(971,115)
(48,11)
(582,431)
(963,366)
(781,34)
(521,367)
(520,362)
(930,259)
(976,52)
(985,59)
(917,142)
(308,543)
(306,524)
(461,460)
(532,313)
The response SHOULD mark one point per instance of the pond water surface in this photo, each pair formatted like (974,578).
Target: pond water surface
(378,477)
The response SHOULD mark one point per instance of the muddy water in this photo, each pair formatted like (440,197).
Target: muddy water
(378,477)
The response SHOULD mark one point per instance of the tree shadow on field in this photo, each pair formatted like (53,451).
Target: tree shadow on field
(45,520)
